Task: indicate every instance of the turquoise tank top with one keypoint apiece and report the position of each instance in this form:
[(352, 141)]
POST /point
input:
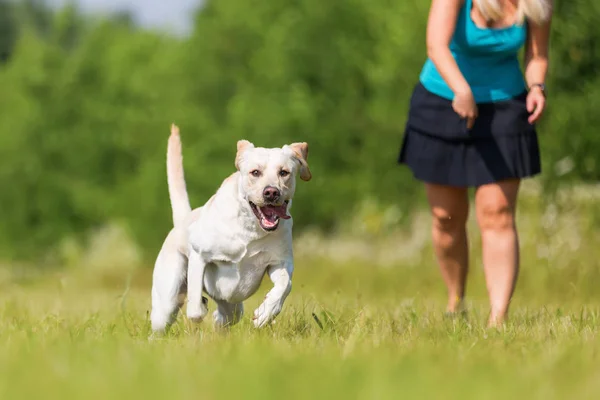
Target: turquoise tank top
[(487, 57)]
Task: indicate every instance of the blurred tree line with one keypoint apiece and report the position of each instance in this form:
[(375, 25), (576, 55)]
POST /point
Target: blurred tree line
[(86, 108)]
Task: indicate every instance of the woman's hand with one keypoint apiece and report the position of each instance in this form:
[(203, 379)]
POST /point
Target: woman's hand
[(536, 102), (441, 25), (465, 106)]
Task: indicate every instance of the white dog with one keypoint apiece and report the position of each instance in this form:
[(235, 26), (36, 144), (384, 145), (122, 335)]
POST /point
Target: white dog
[(225, 247)]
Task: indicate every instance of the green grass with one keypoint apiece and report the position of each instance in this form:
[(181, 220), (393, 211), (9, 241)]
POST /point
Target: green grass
[(82, 332), (379, 336)]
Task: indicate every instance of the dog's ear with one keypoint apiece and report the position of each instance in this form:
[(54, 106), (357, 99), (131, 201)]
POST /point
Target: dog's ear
[(242, 146), (301, 153)]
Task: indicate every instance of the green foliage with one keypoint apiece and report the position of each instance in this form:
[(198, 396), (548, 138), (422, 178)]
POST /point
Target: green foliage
[(568, 139), (7, 30), (87, 105)]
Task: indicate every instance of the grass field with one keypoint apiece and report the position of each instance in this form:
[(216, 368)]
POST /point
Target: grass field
[(351, 328)]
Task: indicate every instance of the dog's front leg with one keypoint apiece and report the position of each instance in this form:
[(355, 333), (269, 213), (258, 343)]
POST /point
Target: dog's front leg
[(281, 276), (196, 307)]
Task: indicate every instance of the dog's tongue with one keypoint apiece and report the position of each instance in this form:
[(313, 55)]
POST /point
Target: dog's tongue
[(272, 211)]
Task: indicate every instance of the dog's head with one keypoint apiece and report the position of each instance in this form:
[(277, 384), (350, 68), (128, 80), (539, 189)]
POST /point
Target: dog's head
[(268, 179)]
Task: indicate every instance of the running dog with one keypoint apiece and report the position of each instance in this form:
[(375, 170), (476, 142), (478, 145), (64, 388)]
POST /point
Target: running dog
[(225, 247)]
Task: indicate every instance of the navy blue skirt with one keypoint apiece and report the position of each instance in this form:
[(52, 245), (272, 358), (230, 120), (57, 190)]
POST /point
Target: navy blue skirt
[(438, 147)]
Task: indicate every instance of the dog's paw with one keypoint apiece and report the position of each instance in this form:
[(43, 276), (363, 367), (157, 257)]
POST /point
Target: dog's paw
[(265, 314), (219, 319), (197, 313)]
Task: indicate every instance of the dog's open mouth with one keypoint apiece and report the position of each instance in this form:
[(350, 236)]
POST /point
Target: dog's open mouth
[(269, 215)]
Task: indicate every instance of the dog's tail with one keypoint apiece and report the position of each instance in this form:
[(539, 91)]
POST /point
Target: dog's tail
[(180, 203)]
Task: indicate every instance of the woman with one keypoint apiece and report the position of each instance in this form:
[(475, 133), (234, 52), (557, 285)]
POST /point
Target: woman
[(472, 124)]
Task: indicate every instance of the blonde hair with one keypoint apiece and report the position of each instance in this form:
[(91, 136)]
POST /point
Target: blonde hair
[(538, 11)]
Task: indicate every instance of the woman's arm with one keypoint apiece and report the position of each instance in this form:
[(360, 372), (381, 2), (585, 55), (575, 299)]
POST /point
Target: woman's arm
[(440, 28), (536, 66), (536, 53)]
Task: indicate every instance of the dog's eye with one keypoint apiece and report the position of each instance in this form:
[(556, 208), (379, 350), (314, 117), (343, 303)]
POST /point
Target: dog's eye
[(255, 173), (283, 173)]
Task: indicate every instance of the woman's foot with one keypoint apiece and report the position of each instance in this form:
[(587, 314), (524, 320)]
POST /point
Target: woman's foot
[(455, 308), (455, 305), (496, 320)]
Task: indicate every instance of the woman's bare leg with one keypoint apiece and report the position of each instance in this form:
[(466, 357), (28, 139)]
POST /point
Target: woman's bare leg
[(495, 207), (450, 209)]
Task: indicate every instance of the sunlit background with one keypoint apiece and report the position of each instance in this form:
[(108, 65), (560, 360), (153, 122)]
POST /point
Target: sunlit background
[(88, 90)]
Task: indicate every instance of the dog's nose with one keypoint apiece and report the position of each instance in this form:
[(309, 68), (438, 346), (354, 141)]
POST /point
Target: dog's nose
[(271, 193)]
